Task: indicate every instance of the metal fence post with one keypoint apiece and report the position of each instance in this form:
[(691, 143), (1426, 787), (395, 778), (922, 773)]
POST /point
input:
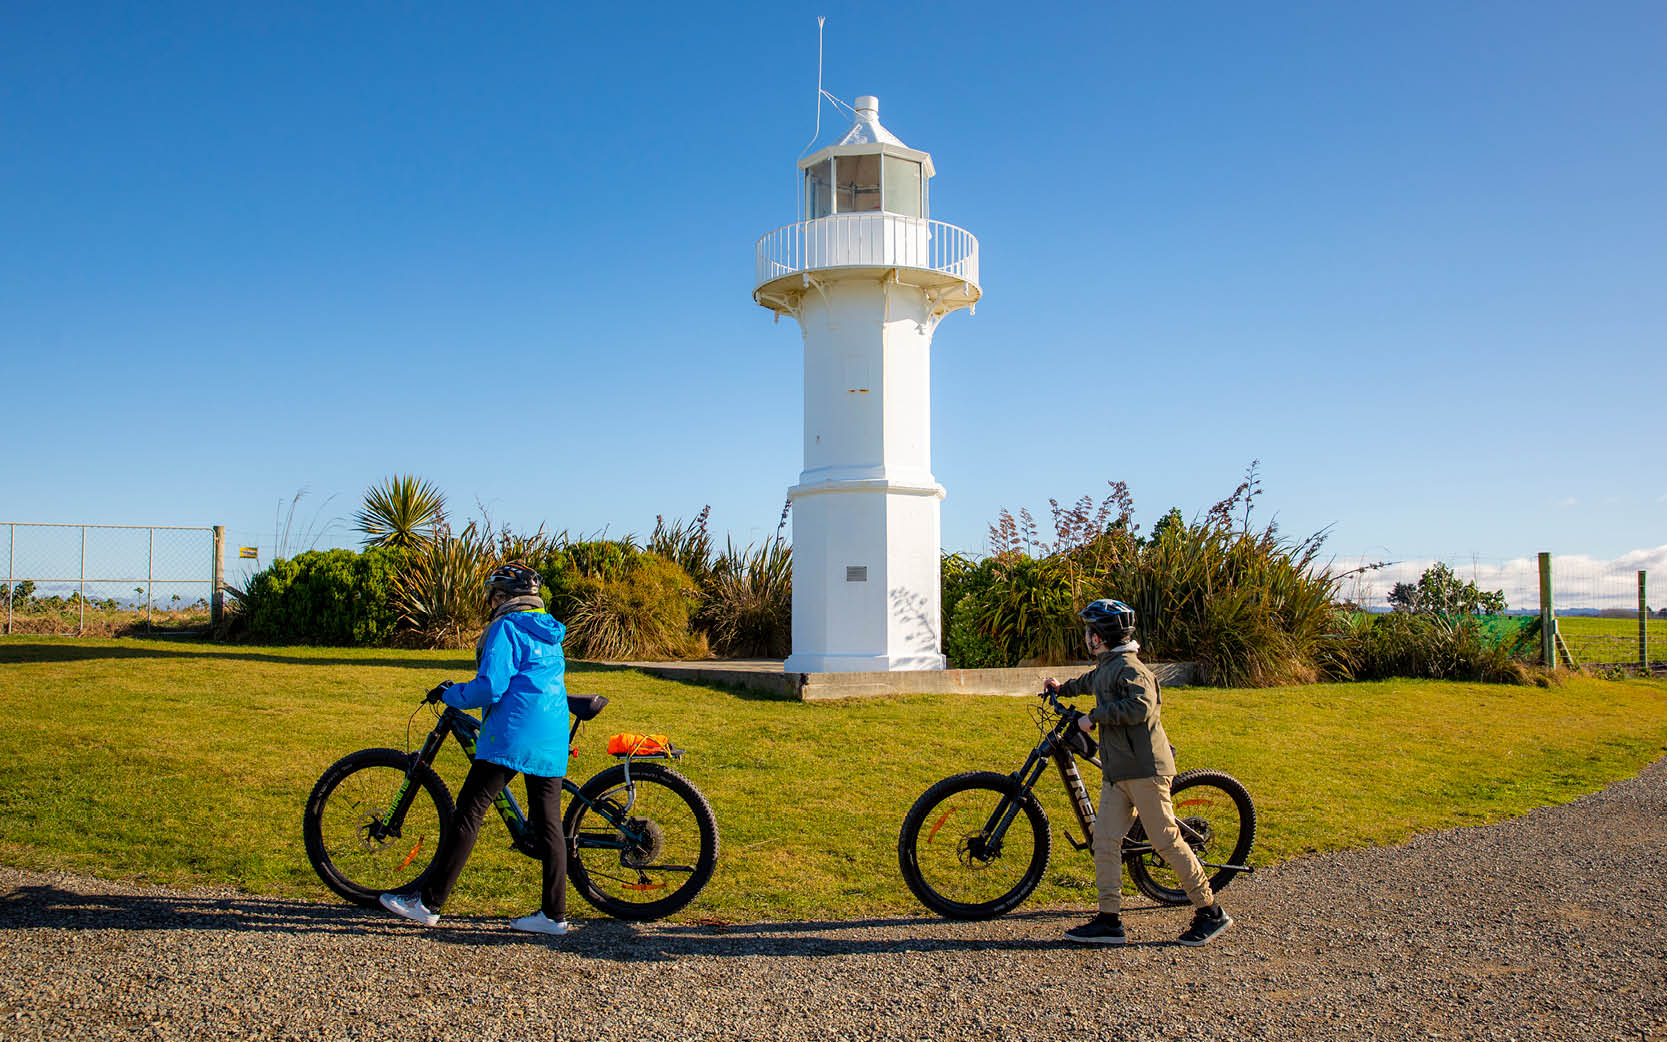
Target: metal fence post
[(1548, 622), (81, 626), (150, 577), (217, 600), (11, 580), (1643, 628)]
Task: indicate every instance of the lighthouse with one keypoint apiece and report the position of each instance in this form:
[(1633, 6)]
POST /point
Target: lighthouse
[(868, 275)]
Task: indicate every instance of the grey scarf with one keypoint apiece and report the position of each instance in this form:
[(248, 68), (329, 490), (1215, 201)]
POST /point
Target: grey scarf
[(525, 602)]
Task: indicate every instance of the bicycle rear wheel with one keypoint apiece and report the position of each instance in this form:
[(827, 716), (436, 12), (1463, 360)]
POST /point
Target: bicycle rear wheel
[(1217, 820), (346, 826), (951, 861), (641, 851)]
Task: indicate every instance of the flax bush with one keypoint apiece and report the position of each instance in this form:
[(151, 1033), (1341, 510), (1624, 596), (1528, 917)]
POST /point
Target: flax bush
[(439, 592), (1250, 606), (747, 604)]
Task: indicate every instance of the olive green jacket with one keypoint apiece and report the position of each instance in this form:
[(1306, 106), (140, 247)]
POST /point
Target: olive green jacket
[(1127, 705)]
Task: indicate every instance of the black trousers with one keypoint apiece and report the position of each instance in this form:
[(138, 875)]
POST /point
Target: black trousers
[(483, 784)]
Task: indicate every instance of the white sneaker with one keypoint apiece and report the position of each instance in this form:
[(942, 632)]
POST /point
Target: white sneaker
[(409, 906), (538, 922)]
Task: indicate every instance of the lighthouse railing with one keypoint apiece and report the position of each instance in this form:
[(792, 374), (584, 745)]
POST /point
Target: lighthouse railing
[(868, 240)]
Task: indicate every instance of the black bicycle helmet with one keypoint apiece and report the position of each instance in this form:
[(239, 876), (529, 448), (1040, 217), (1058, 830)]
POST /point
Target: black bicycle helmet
[(1112, 620), (512, 580)]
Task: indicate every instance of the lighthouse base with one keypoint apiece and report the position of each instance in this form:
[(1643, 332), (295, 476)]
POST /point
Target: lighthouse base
[(811, 662), (865, 576)]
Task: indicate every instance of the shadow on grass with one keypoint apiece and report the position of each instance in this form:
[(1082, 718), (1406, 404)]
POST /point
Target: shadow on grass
[(46, 907), (14, 651)]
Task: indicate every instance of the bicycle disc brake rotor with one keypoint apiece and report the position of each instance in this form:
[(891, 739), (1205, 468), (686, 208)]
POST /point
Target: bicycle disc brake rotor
[(1198, 833), (369, 823), (645, 840), (974, 851)]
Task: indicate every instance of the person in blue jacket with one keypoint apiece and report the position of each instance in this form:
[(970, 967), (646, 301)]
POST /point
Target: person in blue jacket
[(522, 696)]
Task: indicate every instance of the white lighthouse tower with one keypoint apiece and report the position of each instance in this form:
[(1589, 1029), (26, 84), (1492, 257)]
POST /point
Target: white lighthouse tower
[(868, 277)]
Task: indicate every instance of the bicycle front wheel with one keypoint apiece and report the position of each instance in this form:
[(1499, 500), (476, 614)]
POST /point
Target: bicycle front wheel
[(352, 839), (974, 845), (640, 850), (1218, 822)]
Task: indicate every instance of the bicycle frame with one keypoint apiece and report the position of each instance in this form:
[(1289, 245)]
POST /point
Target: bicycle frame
[(454, 723), (1054, 748)]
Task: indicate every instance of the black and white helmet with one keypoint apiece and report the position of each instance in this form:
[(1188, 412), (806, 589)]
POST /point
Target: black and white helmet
[(1112, 620), (513, 580)]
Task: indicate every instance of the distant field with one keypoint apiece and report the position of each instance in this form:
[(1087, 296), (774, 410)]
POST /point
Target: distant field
[(187, 762), (1611, 640)]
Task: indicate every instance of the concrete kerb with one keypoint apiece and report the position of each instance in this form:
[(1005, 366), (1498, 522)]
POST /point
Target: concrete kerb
[(766, 675)]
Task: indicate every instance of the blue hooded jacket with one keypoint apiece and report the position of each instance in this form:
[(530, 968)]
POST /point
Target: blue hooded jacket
[(522, 694)]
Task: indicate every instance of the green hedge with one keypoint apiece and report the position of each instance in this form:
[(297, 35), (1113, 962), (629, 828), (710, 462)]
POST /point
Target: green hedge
[(330, 597)]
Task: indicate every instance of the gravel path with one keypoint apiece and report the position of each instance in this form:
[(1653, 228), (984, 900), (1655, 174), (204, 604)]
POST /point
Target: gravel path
[(1546, 927)]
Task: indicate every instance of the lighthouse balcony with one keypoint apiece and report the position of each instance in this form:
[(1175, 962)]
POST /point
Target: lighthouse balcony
[(932, 255)]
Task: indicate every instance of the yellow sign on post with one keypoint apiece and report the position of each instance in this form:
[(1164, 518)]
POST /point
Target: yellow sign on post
[(248, 552)]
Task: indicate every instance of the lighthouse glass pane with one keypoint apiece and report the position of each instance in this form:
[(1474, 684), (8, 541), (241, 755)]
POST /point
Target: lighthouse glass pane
[(857, 186), (902, 187), (819, 190)]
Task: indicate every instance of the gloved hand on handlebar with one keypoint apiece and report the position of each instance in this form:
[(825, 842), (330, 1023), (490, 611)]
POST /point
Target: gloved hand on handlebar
[(434, 694)]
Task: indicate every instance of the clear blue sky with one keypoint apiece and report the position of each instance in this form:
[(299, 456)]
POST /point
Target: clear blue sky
[(1412, 257)]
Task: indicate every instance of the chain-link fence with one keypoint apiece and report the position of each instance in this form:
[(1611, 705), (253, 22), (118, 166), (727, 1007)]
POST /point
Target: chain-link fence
[(110, 578), (1604, 613)]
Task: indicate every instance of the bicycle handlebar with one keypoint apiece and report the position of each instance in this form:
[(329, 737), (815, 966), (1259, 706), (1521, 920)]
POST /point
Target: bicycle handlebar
[(1052, 698)]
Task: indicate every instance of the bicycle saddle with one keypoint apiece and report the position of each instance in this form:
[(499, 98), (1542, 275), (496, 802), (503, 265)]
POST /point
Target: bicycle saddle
[(585, 707)]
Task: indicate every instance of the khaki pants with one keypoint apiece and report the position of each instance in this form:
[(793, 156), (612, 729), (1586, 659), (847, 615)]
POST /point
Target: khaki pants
[(1149, 797)]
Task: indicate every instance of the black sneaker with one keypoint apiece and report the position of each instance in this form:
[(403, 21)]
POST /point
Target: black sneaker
[(1102, 929), (1207, 924)]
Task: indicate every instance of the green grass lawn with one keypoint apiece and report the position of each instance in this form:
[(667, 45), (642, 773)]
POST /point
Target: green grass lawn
[(1611, 640), (189, 763)]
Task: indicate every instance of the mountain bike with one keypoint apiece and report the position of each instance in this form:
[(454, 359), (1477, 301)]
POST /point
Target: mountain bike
[(641, 839), (976, 844)]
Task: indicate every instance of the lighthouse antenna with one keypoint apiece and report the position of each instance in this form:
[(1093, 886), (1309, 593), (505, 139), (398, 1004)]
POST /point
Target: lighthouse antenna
[(820, 21), (798, 188)]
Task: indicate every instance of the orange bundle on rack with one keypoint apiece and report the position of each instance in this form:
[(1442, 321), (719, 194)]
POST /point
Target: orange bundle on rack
[(638, 744)]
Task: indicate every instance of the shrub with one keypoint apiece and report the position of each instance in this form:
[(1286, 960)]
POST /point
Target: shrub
[(331, 597), (640, 613), (1250, 606), (1437, 647), (964, 645), (747, 608), (438, 594)]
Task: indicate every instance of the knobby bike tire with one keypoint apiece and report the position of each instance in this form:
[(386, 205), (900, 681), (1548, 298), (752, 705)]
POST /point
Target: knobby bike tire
[(591, 870), (1140, 869), (925, 814), (355, 867)]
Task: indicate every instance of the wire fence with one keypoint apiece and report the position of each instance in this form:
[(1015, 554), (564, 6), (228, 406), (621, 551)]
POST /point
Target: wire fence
[(1607, 612), (109, 578)]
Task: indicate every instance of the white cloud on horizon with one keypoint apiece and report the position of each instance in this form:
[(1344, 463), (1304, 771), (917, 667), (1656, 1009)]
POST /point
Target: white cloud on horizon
[(1577, 580)]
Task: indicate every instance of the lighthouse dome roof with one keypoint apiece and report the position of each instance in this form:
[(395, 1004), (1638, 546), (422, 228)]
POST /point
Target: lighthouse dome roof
[(867, 129)]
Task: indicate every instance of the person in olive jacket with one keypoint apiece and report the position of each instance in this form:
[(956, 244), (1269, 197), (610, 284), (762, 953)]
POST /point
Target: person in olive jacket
[(1139, 766)]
